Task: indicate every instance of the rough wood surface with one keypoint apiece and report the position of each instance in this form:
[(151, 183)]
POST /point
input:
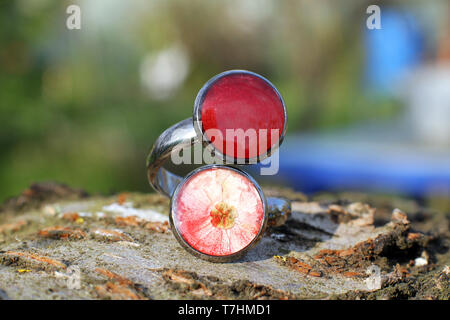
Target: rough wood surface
[(123, 249)]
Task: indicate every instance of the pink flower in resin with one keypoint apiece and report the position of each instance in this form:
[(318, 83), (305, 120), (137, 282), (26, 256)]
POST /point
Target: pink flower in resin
[(218, 211)]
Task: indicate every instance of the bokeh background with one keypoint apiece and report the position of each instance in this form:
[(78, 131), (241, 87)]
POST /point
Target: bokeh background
[(369, 110)]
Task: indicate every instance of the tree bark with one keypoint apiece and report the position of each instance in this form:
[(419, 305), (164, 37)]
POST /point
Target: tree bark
[(59, 243)]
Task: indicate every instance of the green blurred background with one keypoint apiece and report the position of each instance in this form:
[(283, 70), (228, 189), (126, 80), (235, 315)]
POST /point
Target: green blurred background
[(84, 106)]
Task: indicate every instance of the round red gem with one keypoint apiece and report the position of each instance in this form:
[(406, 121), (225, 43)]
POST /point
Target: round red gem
[(218, 211), (242, 101)]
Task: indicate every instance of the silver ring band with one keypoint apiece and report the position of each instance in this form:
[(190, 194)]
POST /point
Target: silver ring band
[(180, 135)]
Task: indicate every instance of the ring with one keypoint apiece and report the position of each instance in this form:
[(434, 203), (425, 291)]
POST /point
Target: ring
[(218, 212)]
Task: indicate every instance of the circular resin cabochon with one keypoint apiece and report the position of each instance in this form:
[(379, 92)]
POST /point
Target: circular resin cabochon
[(242, 100), (218, 211)]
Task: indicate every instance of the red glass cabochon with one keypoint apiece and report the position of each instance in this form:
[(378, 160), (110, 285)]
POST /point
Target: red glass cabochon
[(218, 211), (242, 101)]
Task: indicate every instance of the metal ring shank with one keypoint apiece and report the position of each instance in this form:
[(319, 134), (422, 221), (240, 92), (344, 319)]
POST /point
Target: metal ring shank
[(178, 136), (183, 135)]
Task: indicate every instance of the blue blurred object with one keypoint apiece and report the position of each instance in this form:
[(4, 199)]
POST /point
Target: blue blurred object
[(363, 159), (392, 50)]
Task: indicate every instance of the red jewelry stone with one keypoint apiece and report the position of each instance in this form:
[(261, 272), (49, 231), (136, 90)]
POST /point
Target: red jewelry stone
[(218, 211), (242, 101)]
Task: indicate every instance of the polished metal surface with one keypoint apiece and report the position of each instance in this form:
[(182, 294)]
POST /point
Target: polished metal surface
[(178, 136)]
